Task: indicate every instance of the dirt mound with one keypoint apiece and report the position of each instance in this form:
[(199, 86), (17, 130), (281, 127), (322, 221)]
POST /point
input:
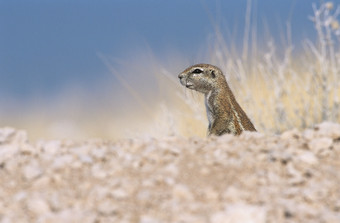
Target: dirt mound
[(293, 177)]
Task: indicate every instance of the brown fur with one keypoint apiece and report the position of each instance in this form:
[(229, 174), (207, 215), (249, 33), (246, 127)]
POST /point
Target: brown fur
[(225, 115)]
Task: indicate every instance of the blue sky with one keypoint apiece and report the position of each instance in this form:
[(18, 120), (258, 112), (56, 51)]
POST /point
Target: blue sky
[(47, 44)]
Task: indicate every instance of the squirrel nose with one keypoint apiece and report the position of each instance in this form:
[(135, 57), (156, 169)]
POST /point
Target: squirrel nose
[(181, 75)]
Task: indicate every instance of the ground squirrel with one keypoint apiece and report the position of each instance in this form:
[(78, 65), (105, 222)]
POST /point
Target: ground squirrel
[(225, 115)]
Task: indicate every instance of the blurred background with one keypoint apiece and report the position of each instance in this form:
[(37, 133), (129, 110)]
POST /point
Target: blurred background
[(108, 69)]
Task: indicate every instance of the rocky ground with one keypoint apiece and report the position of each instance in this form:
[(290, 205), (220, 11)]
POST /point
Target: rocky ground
[(293, 177)]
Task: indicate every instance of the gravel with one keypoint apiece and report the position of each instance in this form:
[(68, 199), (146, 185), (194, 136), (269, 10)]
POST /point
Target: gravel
[(292, 177)]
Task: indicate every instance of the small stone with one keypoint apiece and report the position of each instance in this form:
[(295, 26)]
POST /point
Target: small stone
[(210, 194), (98, 172), (236, 213), (233, 194), (11, 136), (171, 169), (51, 147), (205, 171), (38, 206), (295, 176), (7, 153), (28, 149), (308, 134), (6, 134), (119, 193), (32, 171), (42, 182), (148, 219), (77, 164), (247, 135), (169, 180), (182, 192), (70, 215), (86, 159), (98, 153), (20, 137), (308, 158), (291, 134), (62, 161), (328, 129), (107, 207), (319, 144), (144, 195), (20, 196), (188, 218)]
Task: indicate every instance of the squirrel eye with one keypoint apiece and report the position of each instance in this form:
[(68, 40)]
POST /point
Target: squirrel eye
[(197, 71)]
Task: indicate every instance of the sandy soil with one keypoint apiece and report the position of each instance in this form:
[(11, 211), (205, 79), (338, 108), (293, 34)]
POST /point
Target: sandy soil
[(293, 177)]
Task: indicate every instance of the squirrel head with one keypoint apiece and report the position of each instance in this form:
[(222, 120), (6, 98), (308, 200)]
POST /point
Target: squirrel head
[(202, 77)]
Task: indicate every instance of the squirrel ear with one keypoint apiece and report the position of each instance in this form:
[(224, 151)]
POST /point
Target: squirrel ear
[(213, 74)]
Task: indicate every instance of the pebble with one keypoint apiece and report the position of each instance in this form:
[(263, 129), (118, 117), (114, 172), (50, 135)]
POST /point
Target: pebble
[(182, 193), (107, 207), (235, 213), (62, 161), (51, 147), (291, 134), (98, 172), (329, 129), (38, 206), (99, 153), (148, 219), (6, 134), (308, 158), (319, 144), (32, 170), (119, 193)]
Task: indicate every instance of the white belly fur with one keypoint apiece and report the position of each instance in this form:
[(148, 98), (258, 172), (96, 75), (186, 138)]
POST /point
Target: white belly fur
[(208, 110)]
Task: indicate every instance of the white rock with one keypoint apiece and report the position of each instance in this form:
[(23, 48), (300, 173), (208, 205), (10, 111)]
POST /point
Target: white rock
[(20, 137), (236, 213), (76, 164), (210, 194), (68, 216), (169, 180), (100, 192), (28, 149), (51, 147), (62, 161), (291, 134), (294, 174), (182, 192), (10, 136), (144, 195), (32, 170), (8, 152), (98, 172), (329, 129), (233, 194), (42, 182), (171, 169), (119, 193), (21, 195), (107, 207), (308, 158), (148, 219), (189, 218), (38, 206), (86, 159), (98, 153), (308, 134), (5, 134), (319, 144), (251, 135)]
